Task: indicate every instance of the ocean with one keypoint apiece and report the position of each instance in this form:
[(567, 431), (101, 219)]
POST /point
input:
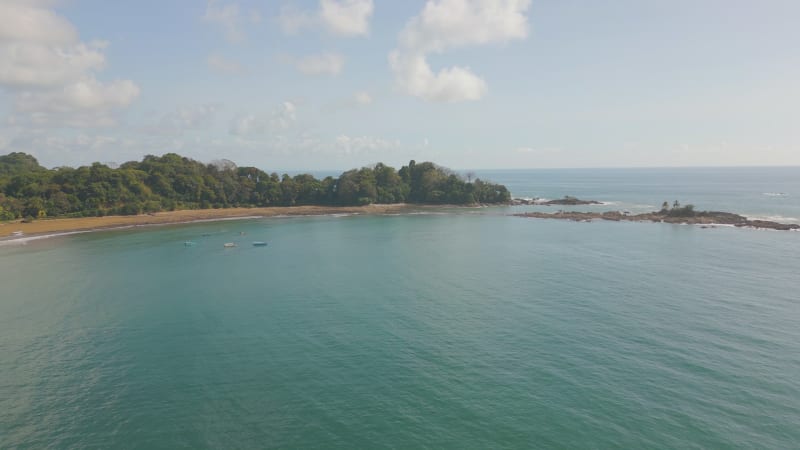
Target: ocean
[(453, 328)]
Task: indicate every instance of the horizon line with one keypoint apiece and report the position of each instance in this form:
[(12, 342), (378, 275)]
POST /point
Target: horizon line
[(771, 166)]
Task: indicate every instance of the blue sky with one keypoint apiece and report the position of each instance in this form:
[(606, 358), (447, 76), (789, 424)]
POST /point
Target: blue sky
[(334, 84)]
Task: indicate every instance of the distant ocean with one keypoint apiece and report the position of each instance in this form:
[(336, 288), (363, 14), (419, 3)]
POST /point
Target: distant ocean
[(460, 328), (770, 193)]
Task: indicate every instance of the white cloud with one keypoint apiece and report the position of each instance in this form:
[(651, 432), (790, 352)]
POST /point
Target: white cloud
[(222, 65), (446, 24), (86, 94), (322, 64), (415, 76), (347, 17), (51, 73), (230, 19), (339, 17), (30, 22), (252, 124), (30, 64), (362, 98), (38, 48)]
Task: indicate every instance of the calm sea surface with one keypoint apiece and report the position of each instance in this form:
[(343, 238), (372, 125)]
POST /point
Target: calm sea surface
[(465, 329)]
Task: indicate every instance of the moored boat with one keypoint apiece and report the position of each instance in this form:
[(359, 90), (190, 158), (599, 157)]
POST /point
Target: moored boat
[(229, 245)]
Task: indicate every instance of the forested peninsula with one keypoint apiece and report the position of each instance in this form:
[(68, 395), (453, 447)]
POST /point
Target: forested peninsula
[(172, 182)]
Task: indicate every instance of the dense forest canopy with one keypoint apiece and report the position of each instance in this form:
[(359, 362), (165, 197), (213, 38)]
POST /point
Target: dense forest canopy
[(171, 182)]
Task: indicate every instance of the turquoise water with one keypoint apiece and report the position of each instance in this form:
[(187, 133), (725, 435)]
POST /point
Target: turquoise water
[(463, 330)]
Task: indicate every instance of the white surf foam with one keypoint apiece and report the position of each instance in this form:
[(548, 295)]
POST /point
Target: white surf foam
[(22, 240)]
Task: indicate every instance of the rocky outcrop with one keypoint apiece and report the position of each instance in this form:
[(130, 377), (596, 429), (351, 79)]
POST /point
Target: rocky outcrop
[(571, 201), (772, 225), (705, 218), (568, 200)]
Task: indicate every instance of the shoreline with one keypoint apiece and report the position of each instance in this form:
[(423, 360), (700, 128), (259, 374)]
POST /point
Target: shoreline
[(63, 226), (44, 228)]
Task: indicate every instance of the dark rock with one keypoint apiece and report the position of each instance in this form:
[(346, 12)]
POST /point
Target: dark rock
[(571, 201)]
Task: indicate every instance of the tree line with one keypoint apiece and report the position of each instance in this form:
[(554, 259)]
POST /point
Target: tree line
[(677, 210), (171, 182)]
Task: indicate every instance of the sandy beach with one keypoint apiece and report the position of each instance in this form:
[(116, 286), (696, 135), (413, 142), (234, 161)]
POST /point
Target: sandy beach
[(46, 226)]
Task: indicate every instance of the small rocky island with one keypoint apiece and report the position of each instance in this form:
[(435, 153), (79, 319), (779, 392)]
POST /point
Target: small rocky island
[(675, 215), (567, 200)]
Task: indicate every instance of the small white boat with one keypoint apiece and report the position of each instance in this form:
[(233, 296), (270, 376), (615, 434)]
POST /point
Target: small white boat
[(189, 244), (17, 233), (229, 245)]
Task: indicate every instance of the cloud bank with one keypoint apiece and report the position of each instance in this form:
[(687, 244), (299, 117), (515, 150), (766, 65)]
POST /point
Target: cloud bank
[(52, 74)]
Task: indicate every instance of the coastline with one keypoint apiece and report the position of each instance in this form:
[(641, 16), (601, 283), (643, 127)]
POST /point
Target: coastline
[(86, 224), (43, 228)]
